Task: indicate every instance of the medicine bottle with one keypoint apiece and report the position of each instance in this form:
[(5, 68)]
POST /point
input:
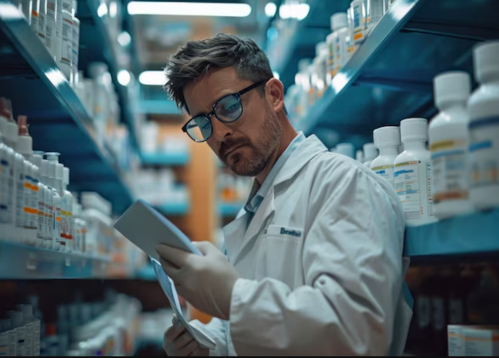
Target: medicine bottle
[(412, 176), (449, 141), (387, 140), (370, 153)]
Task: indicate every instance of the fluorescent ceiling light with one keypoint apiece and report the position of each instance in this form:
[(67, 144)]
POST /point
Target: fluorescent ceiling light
[(113, 9), (295, 11), (124, 77), (188, 9), (152, 78), (102, 10), (124, 39), (270, 9)]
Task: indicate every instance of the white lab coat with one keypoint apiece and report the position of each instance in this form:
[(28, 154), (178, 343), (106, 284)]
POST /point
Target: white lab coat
[(320, 264)]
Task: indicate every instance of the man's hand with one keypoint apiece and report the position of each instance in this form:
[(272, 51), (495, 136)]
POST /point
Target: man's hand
[(205, 281), (179, 342)]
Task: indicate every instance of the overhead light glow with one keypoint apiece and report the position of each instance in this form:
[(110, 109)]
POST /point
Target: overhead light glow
[(124, 38), (152, 78), (270, 9), (113, 9), (124, 77), (102, 10), (276, 74), (295, 11), (188, 9)]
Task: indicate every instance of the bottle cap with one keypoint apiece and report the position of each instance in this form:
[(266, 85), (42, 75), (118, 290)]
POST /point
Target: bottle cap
[(414, 129), (303, 64), (345, 149), (16, 317), (52, 156), (320, 47), (4, 324), (59, 171), (37, 161), (359, 156), (451, 87), (24, 142), (339, 20), (370, 151), (387, 137), (486, 59)]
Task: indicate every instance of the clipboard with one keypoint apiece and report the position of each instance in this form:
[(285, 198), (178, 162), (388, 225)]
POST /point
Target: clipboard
[(146, 228)]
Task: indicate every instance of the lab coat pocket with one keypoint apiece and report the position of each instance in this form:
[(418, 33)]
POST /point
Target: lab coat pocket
[(283, 246)]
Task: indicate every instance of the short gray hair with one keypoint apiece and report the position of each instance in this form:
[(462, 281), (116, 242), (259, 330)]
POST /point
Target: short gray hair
[(193, 61)]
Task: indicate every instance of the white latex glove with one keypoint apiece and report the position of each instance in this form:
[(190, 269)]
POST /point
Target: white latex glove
[(204, 281), (179, 342)]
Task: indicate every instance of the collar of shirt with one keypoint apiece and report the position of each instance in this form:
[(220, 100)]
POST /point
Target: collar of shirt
[(255, 200)]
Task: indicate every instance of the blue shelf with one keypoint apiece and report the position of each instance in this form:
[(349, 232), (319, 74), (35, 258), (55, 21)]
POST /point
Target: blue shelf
[(27, 262), (154, 106), (470, 234), (229, 209), (165, 158), (174, 209), (390, 77), (58, 120)]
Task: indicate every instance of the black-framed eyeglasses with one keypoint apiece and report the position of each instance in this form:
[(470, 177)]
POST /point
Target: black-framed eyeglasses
[(227, 109)]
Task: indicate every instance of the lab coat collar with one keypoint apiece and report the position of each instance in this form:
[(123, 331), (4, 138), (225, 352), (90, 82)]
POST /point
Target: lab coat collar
[(307, 150), (235, 234)]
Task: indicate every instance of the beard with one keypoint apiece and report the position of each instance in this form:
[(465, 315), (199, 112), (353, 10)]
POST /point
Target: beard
[(268, 140)]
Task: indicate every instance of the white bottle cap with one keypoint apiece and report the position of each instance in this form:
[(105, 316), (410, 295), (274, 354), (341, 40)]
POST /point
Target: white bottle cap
[(370, 151), (451, 87), (320, 47), (52, 157), (45, 167), (486, 60), (12, 132), (387, 137), (66, 175), (25, 144), (339, 20), (4, 324), (16, 317), (303, 64), (359, 156), (95, 69), (59, 171), (414, 129), (26, 310), (52, 170), (345, 149)]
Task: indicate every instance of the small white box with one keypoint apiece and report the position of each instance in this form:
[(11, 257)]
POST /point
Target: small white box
[(455, 340), (481, 341)]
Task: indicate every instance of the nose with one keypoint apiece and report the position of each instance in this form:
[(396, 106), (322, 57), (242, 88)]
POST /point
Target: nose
[(220, 129)]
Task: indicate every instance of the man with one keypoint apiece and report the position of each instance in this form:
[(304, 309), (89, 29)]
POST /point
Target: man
[(313, 264)]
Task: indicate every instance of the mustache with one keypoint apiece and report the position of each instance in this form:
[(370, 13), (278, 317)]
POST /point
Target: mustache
[(229, 144)]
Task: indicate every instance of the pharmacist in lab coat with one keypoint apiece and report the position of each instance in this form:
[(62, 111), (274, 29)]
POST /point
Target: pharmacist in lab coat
[(313, 263)]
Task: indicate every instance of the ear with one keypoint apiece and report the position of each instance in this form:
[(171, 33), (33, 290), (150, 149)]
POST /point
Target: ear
[(274, 91)]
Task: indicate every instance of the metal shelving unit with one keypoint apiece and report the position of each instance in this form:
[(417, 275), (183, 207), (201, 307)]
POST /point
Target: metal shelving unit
[(390, 77), (463, 235), (27, 262), (173, 159), (58, 120)]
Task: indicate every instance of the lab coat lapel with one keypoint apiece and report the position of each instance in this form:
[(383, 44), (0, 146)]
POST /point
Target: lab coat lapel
[(235, 234)]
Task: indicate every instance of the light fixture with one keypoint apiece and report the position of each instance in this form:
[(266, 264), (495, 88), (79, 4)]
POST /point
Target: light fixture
[(124, 77), (294, 10), (113, 9), (124, 39), (270, 9), (152, 78), (276, 74), (188, 9), (102, 10)]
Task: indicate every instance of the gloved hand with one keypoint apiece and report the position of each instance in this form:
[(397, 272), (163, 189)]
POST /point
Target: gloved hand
[(204, 281), (179, 342)]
